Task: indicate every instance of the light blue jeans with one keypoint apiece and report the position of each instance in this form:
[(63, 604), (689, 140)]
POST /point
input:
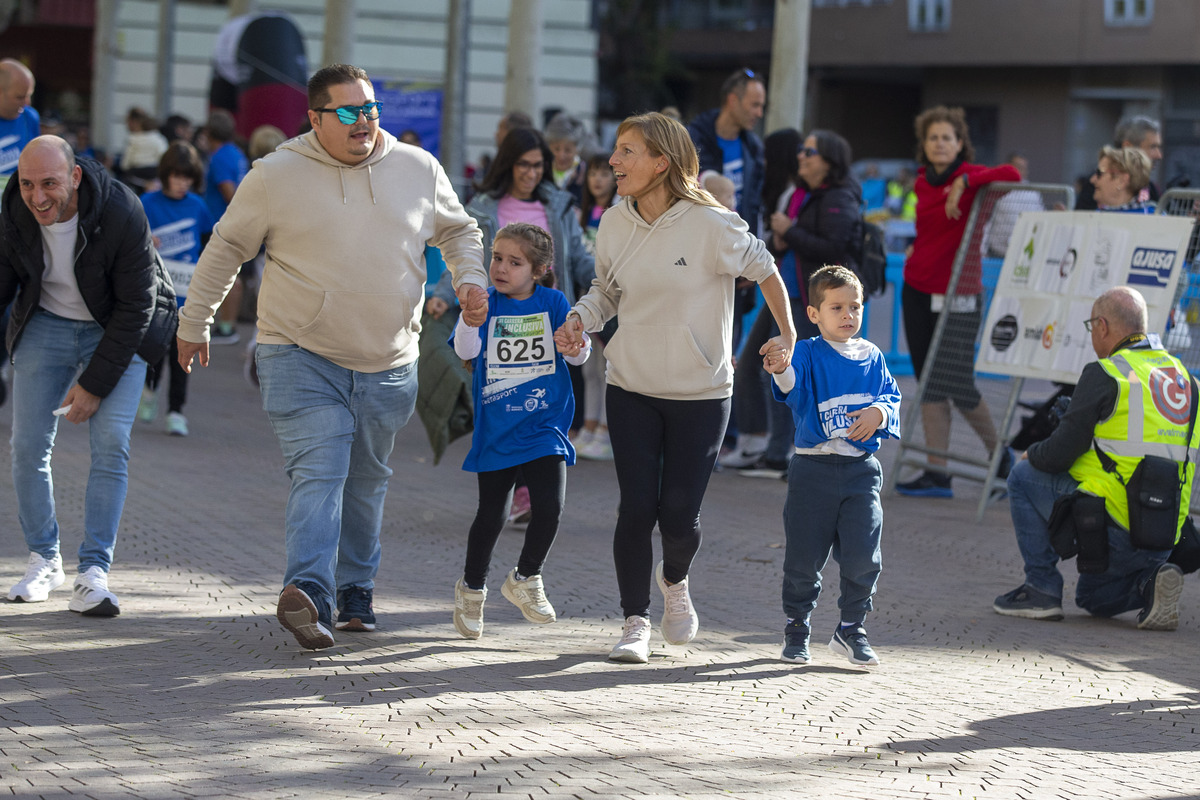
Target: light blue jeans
[(337, 428), (1031, 496), (48, 360)]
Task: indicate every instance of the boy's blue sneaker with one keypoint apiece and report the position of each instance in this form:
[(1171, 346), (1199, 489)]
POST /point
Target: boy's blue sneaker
[(355, 610), (1026, 601), (927, 484), (795, 643), (852, 643)]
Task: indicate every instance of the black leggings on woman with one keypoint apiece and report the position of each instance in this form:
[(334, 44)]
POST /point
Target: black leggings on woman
[(547, 480), (664, 452)]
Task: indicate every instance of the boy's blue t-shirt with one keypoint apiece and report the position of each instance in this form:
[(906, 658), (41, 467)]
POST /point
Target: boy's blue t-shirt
[(520, 418), (228, 163), (178, 224), (14, 135), (829, 385)]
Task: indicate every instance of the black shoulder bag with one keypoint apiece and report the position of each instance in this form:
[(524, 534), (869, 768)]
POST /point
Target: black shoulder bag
[(1154, 491)]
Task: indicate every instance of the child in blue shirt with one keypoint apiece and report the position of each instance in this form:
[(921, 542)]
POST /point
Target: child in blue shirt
[(843, 400), (180, 224), (523, 411)]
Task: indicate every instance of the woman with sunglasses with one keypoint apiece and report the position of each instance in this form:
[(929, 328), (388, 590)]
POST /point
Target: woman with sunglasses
[(1119, 178), (946, 187)]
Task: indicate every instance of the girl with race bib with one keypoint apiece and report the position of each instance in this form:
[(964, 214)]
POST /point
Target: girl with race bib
[(523, 411)]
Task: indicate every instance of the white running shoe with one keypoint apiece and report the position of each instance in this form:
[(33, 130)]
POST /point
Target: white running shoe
[(598, 448), (634, 647), (679, 621), (528, 595), (177, 424), (42, 576), (91, 596), (468, 610)]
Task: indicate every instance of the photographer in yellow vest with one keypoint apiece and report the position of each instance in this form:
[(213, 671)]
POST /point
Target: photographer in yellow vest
[(1135, 401)]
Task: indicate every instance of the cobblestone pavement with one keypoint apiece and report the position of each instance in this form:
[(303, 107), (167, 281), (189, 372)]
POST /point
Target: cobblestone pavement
[(195, 690)]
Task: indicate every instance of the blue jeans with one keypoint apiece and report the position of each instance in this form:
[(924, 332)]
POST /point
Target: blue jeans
[(337, 428), (48, 360), (833, 508), (1031, 496)]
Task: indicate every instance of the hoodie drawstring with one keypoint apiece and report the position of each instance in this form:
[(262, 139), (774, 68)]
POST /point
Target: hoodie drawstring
[(371, 184), (342, 177)]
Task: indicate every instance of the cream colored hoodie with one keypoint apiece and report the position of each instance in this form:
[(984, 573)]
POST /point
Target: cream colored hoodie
[(672, 285), (345, 268)]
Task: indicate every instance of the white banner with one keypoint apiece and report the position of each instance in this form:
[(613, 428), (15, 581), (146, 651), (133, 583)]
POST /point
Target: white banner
[(1057, 264)]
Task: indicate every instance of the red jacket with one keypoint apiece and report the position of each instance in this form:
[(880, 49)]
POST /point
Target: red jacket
[(928, 268)]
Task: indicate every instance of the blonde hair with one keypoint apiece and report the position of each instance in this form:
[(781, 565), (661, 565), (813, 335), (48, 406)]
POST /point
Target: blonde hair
[(1133, 162), (668, 138)]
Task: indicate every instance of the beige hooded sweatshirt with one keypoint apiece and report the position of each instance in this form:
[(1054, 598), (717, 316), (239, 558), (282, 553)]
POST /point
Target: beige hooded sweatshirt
[(671, 285), (345, 270)]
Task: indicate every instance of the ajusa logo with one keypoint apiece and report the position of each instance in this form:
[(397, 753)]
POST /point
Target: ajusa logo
[(1172, 393)]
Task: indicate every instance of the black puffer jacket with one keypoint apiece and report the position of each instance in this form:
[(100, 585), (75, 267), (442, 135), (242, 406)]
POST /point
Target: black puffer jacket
[(119, 273), (828, 230)]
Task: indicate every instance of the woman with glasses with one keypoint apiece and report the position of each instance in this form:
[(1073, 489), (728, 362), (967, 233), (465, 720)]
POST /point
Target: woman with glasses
[(946, 187), (1120, 177)]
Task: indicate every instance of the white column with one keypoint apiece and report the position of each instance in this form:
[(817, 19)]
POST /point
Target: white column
[(164, 83), (789, 65), (521, 78), (454, 93), (339, 32), (104, 45)]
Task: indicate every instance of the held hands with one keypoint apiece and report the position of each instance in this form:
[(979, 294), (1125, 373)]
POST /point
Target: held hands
[(866, 422), (474, 302), (957, 187), (777, 354), (568, 339)]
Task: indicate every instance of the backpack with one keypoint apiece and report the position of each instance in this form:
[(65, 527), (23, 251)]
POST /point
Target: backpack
[(872, 260)]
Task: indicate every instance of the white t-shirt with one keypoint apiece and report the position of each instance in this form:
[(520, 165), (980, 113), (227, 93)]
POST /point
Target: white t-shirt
[(60, 292)]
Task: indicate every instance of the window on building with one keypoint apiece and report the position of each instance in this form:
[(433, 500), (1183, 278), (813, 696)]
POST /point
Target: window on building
[(1128, 12), (926, 16)]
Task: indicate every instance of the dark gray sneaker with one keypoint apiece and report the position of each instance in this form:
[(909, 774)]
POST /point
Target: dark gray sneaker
[(1162, 600), (355, 610), (299, 613), (795, 643), (852, 643), (1026, 601)]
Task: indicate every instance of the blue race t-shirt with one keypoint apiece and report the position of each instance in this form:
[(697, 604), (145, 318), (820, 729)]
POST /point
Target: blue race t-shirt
[(524, 407), (14, 135), (733, 165), (178, 224), (227, 164)]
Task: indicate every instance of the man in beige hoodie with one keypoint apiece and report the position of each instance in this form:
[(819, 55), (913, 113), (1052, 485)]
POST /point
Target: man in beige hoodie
[(345, 212)]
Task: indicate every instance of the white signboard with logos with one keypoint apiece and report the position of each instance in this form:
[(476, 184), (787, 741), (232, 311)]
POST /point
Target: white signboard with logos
[(1057, 264)]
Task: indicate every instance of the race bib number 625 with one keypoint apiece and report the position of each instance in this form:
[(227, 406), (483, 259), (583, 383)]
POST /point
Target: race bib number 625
[(520, 346)]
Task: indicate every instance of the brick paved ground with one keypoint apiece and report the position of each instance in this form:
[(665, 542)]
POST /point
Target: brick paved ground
[(195, 691)]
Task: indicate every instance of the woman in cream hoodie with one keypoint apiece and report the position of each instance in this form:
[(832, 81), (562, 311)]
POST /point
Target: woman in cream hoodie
[(666, 261)]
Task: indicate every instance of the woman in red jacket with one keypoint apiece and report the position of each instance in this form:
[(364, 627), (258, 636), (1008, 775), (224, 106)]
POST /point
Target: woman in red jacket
[(946, 187)]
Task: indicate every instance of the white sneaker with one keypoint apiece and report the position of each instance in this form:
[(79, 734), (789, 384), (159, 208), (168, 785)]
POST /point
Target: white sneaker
[(598, 448), (634, 647), (42, 576), (177, 424), (148, 405), (738, 458), (468, 610), (529, 595), (91, 596), (679, 621)]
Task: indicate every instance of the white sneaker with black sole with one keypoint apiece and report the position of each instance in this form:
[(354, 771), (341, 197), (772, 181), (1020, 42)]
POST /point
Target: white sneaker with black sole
[(42, 576), (91, 596)]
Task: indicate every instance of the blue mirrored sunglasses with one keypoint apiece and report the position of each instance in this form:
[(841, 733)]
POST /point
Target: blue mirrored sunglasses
[(348, 115)]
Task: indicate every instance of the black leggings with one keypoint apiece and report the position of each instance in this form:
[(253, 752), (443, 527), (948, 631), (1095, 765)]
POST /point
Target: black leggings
[(177, 390), (664, 452), (547, 479)]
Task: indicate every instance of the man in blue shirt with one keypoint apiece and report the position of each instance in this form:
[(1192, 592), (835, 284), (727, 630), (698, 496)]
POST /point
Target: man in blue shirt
[(19, 123), (726, 142), (227, 165)]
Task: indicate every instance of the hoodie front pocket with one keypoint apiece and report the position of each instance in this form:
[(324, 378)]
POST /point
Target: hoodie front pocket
[(659, 360), (358, 327)]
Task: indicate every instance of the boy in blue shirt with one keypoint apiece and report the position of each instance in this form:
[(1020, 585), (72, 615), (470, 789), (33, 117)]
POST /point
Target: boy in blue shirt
[(843, 401)]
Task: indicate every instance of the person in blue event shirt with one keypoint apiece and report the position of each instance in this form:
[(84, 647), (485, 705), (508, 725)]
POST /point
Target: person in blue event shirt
[(227, 166), (19, 122), (180, 224)]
